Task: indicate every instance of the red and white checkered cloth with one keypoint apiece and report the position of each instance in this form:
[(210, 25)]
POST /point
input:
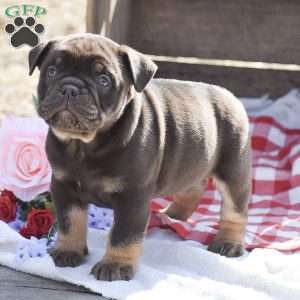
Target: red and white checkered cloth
[(274, 209)]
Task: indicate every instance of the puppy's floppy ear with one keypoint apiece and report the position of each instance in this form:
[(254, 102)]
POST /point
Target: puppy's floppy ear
[(37, 54), (141, 68)]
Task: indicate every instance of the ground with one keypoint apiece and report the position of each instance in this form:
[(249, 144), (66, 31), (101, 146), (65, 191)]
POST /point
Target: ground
[(15, 285)]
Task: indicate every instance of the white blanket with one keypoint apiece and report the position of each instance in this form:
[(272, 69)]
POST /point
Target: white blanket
[(175, 269)]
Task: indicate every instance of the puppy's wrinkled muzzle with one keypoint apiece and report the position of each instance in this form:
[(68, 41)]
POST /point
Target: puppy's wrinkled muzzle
[(70, 106)]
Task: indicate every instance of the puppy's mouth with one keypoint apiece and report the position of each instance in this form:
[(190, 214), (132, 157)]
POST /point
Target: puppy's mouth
[(66, 121)]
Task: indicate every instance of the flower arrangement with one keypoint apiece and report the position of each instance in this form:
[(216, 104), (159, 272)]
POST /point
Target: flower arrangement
[(34, 218), (25, 175)]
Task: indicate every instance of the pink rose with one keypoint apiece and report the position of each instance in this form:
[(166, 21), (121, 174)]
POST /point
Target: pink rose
[(24, 168)]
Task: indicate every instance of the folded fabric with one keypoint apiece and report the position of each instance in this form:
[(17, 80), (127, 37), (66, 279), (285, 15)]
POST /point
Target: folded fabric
[(173, 269)]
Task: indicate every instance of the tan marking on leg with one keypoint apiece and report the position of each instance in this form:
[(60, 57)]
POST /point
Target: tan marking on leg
[(232, 223), (231, 231), (127, 254), (185, 203), (75, 238)]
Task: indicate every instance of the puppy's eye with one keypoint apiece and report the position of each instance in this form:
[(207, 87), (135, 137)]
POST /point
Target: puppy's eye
[(51, 71), (104, 80)]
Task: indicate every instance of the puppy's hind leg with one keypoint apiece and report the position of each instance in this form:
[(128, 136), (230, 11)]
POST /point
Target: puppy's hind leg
[(234, 183), (186, 202)]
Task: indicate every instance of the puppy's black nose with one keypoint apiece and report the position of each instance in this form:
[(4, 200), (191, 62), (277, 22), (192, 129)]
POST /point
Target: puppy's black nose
[(69, 90)]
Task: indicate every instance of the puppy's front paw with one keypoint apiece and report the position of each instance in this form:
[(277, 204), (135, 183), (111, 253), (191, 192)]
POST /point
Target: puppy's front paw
[(65, 258), (112, 271), (226, 248)]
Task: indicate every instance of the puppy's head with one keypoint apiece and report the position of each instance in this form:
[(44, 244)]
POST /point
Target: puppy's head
[(85, 83)]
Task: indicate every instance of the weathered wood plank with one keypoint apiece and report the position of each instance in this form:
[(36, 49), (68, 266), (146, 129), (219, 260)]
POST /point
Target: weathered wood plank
[(256, 30), (241, 81), (16, 285), (25, 293)]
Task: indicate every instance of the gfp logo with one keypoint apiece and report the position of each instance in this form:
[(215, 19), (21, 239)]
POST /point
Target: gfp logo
[(24, 30)]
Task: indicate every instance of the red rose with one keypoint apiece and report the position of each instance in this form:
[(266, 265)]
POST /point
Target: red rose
[(9, 194), (8, 206), (27, 232), (39, 222)]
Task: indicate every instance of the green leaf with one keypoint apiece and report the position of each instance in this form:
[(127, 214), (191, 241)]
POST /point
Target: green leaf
[(24, 213)]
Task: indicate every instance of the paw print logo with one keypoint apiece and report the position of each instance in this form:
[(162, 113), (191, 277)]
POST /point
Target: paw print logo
[(24, 32)]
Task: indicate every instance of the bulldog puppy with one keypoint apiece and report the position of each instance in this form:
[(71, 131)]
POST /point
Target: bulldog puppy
[(118, 138)]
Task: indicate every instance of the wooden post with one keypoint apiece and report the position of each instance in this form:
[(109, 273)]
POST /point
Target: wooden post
[(109, 18)]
